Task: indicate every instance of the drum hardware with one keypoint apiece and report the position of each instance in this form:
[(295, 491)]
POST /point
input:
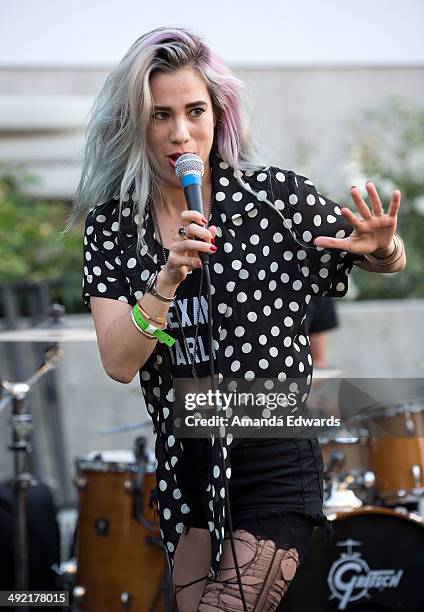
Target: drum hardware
[(22, 427), (416, 475)]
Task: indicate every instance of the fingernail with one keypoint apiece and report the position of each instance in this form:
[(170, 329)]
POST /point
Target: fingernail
[(353, 187), (214, 248), (213, 240), (204, 220)]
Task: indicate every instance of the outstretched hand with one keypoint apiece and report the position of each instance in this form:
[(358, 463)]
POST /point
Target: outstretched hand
[(373, 231)]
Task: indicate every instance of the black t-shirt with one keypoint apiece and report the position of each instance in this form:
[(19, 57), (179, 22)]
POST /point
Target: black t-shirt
[(188, 309)]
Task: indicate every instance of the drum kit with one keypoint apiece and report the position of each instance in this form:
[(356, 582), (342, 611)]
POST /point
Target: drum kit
[(118, 562), (373, 496), (374, 487)]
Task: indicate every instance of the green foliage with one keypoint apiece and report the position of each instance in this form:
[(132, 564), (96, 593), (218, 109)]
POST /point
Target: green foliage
[(31, 245), (388, 149)]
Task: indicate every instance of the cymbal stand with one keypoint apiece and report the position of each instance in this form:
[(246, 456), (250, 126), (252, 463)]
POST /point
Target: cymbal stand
[(16, 394)]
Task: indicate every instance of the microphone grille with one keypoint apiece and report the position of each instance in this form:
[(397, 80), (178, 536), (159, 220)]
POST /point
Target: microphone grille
[(188, 163)]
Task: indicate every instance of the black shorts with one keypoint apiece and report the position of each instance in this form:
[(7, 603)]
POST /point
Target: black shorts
[(275, 489)]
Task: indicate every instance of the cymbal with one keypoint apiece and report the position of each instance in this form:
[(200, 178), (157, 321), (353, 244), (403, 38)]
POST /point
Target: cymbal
[(65, 334)]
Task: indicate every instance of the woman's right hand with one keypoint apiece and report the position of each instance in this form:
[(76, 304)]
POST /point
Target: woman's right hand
[(183, 253)]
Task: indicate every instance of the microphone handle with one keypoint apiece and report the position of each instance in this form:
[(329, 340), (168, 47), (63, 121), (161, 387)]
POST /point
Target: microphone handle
[(194, 199)]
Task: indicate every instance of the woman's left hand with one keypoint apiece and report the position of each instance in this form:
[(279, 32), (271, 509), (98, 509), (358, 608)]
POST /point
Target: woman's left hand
[(374, 231)]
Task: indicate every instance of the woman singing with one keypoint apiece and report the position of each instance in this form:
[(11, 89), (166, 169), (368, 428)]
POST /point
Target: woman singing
[(274, 242)]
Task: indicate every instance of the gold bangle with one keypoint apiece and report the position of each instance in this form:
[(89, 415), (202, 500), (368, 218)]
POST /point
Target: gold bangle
[(145, 314)]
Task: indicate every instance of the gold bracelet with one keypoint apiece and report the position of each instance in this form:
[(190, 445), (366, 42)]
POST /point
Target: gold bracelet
[(145, 314)]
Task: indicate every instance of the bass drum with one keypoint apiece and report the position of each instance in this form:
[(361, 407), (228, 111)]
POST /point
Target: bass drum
[(120, 562), (375, 564)]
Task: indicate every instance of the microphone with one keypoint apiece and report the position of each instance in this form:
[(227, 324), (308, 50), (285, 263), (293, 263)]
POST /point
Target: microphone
[(190, 168)]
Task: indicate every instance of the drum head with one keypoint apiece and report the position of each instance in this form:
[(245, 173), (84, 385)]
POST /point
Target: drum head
[(376, 563)]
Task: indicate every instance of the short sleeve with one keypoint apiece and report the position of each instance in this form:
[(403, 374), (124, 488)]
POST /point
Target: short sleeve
[(103, 276), (308, 215)]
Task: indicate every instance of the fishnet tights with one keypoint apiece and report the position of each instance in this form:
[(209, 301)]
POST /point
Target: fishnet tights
[(266, 572)]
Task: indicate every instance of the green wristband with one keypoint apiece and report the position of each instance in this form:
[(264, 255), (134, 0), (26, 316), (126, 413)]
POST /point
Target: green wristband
[(162, 336)]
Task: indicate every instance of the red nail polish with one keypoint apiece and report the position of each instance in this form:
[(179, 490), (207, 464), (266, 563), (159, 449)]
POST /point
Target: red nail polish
[(213, 240), (214, 248)]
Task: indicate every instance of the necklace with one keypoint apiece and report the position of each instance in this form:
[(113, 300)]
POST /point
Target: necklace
[(191, 355)]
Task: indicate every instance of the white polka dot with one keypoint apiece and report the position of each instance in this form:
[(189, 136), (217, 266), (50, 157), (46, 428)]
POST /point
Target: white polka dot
[(275, 330), (317, 220), (239, 331), (310, 200), (246, 347), (261, 195), (126, 212), (97, 271), (277, 237), (293, 199), (341, 234), (108, 245), (229, 351), (171, 441), (267, 310), (185, 509), (224, 181), (218, 268), (228, 247), (132, 262), (307, 236), (280, 177), (162, 485), (251, 258), (288, 361), (273, 351), (252, 316), (220, 196), (272, 285), (241, 297), (254, 239), (323, 272), (279, 204), (294, 306), (167, 513), (216, 471), (101, 218), (288, 255), (179, 527), (278, 303), (261, 177), (236, 264), (288, 321), (101, 287), (331, 219), (235, 366), (340, 286), (264, 223), (223, 165), (297, 218), (265, 250), (263, 339), (237, 196), (263, 363)]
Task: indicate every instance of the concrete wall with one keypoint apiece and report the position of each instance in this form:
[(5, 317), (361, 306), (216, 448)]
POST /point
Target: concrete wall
[(44, 109), (381, 339)]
